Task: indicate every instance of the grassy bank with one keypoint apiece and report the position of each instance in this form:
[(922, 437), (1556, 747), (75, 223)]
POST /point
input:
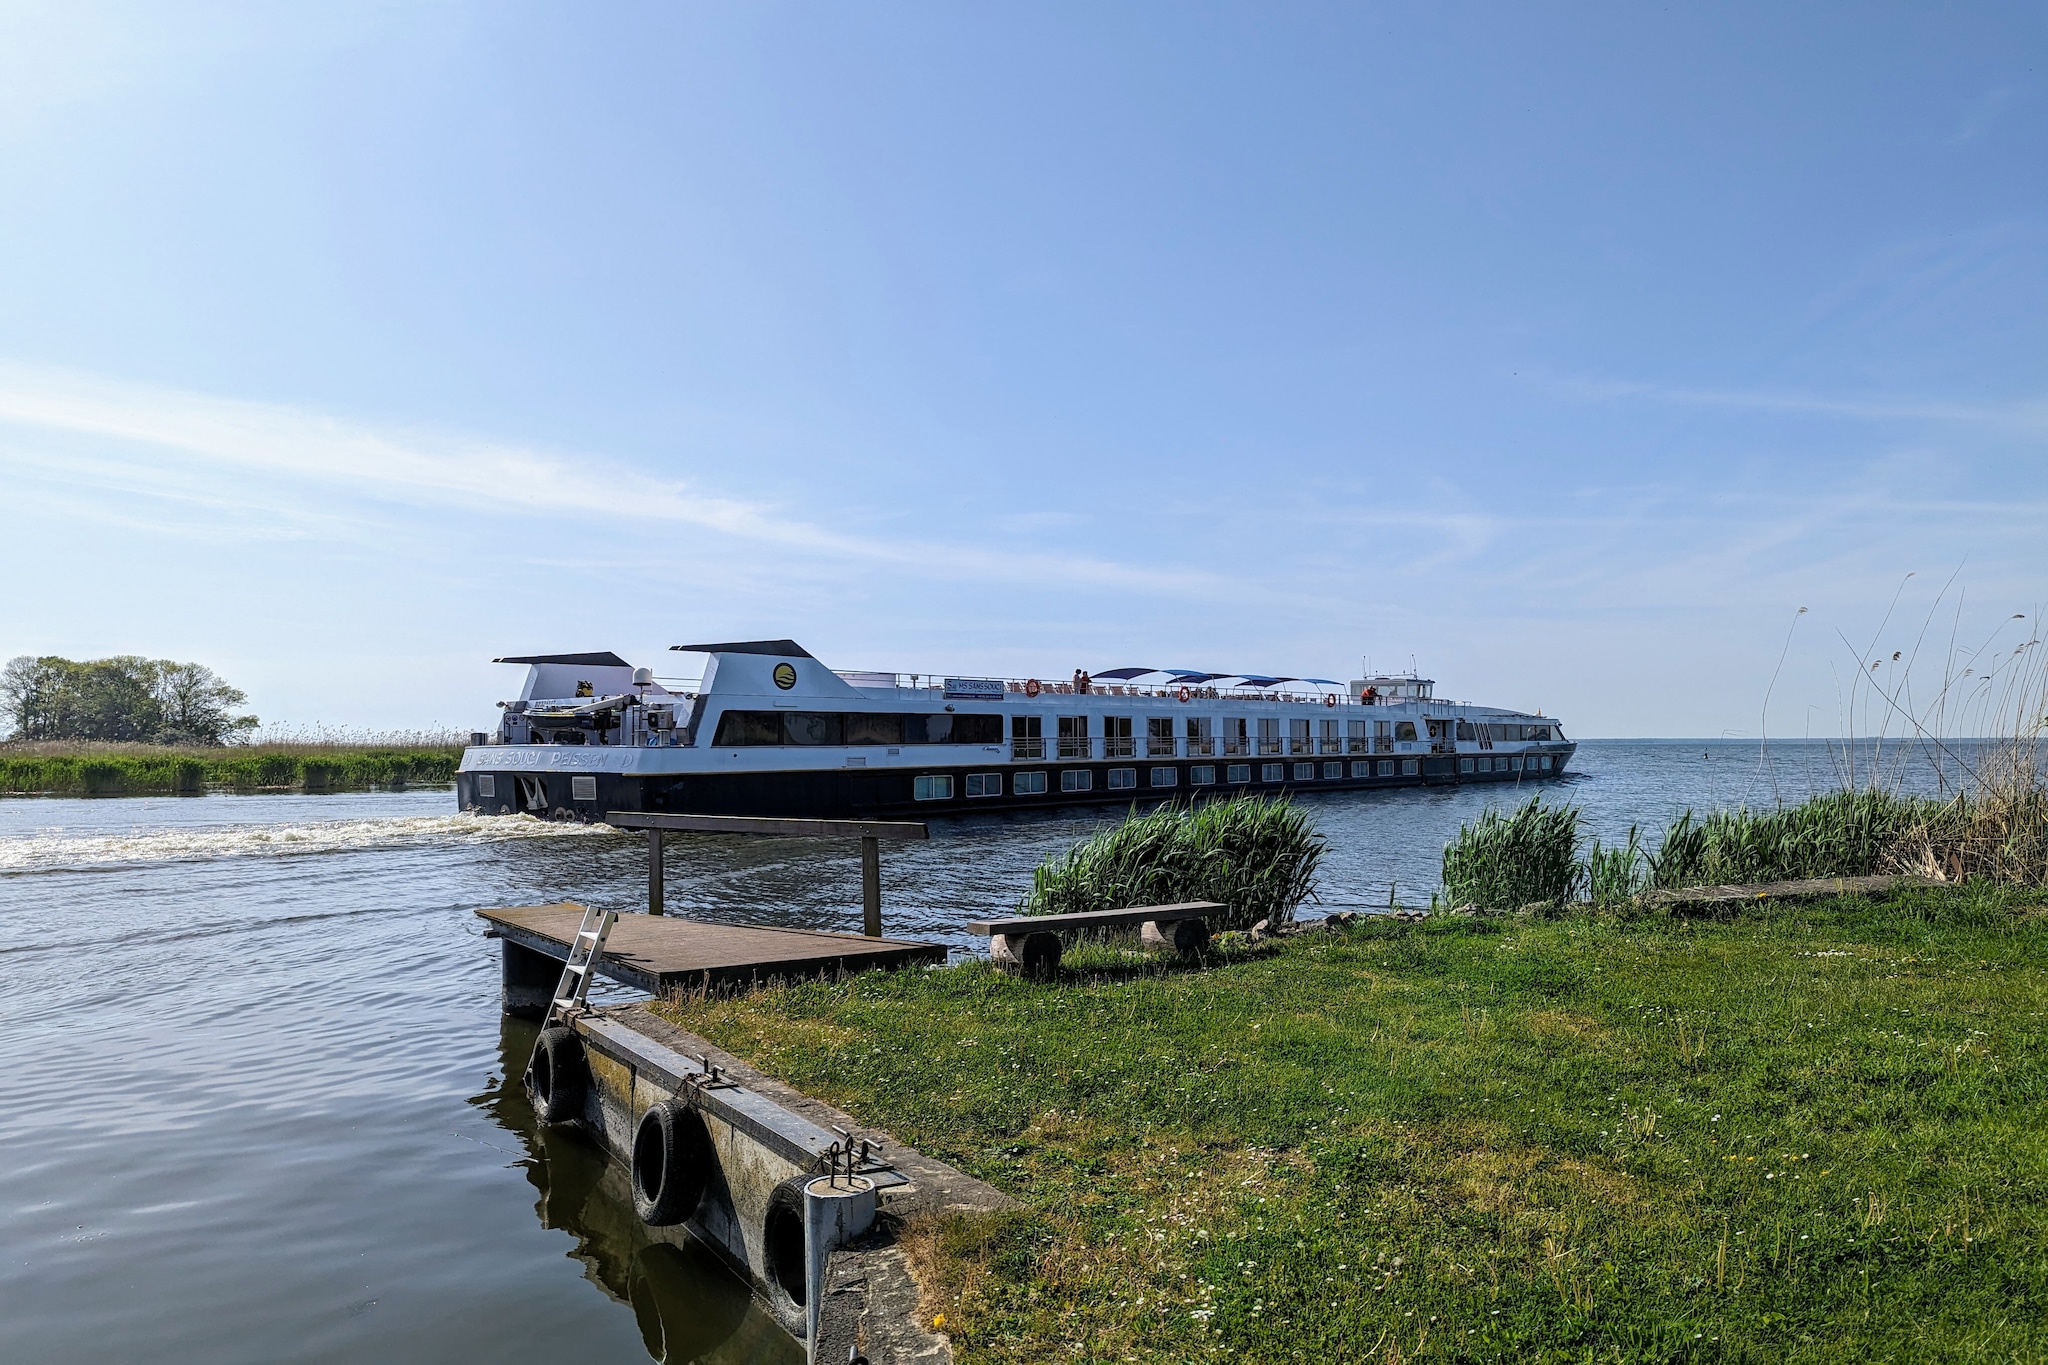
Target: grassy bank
[(145, 769), (1538, 855), (1807, 1134)]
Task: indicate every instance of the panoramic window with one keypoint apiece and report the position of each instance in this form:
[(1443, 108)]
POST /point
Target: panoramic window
[(742, 729), (984, 784), (1028, 784), (1202, 775), (1238, 772), (874, 728), (932, 788), (1165, 777), (1077, 780), (810, 727)]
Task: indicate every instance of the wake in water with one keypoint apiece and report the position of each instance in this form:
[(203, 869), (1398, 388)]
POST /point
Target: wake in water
[(57, 851)]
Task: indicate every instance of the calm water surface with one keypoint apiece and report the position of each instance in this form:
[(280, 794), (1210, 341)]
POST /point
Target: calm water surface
[(257, 1108)]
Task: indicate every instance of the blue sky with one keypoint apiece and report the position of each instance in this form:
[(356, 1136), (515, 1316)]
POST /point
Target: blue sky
[(1567, 350)]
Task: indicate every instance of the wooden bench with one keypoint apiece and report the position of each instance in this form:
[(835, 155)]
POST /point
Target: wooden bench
[(1031, 943)]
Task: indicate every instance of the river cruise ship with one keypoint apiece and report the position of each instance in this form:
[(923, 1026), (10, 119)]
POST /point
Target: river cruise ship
[(769, 730)]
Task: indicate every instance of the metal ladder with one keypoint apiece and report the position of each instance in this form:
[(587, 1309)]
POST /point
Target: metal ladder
[(584, 951)]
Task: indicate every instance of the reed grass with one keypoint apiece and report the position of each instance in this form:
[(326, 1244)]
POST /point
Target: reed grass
[(1509, 862), (85, 769), (1257, 855)]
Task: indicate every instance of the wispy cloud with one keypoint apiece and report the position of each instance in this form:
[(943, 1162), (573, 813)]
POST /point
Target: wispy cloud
[(437, 470), (2030, 417)]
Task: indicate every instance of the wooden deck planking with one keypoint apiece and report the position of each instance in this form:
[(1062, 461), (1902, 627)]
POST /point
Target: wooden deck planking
[(655, 954)]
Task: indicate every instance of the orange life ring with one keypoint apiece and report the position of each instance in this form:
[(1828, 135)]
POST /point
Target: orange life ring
[(1032, 687), (1329, 699), (1184, 694)]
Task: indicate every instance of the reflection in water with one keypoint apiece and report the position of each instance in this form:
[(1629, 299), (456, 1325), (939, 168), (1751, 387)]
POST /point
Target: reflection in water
[(690, 1305)]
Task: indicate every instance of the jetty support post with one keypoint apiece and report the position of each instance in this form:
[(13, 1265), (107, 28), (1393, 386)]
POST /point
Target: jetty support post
[(528, 980), (869, 832), (871, 886), (654, 871)]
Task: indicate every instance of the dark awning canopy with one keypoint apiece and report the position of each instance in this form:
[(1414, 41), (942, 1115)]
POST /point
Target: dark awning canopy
[(787, 648), (602, 659), (1123, 672)]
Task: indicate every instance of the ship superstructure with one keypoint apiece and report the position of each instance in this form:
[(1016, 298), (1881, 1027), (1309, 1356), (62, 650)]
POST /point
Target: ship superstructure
[(770, 730)]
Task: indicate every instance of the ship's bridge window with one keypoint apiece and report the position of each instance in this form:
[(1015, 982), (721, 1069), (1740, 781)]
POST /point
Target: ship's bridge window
[(1404, 731), (1465, 730), (753, 729)]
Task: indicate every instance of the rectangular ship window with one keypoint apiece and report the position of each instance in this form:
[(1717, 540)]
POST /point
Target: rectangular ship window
[(1333, 770), (1238, 772), (486, 785), (1202, 775), (984, 784), (1304, 772), (1272, 772), (1515, 764), (1362, 769), (933, 788), (1410, 766), (1543, 762), (1386, 767), (1464, 765), (583, 789), (1028, 784), (1027, 737), (1120, 778), (1077, 780), (1165, 777)]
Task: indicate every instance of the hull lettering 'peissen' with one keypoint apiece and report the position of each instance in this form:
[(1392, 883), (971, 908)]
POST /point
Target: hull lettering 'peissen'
[(768, 730)]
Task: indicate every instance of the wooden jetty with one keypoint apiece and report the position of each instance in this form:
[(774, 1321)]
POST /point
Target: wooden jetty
[(661, 953)]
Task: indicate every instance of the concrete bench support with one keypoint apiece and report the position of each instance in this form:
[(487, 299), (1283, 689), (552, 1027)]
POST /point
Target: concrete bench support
[(1030, 944)]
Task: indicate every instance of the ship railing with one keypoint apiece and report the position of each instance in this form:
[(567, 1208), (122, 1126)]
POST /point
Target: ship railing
[(1119, 747), (936, 682), (1157, 747), (1201, 748), (1082, 747), (1022, 750)]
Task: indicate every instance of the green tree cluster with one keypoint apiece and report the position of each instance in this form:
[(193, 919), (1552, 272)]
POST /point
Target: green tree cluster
[(122, 699)]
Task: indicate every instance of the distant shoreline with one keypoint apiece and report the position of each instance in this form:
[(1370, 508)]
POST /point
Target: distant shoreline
[(151, 770)]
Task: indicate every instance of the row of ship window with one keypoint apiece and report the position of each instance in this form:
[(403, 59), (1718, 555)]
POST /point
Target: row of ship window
[(939, 786), (756, 729)]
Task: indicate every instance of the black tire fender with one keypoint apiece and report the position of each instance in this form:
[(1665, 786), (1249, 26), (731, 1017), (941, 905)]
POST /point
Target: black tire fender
[(558, 1077), (782, 1240), (672, 1161)]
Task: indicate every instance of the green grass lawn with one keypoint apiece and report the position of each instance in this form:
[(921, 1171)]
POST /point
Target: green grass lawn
[(1812, 1133)]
